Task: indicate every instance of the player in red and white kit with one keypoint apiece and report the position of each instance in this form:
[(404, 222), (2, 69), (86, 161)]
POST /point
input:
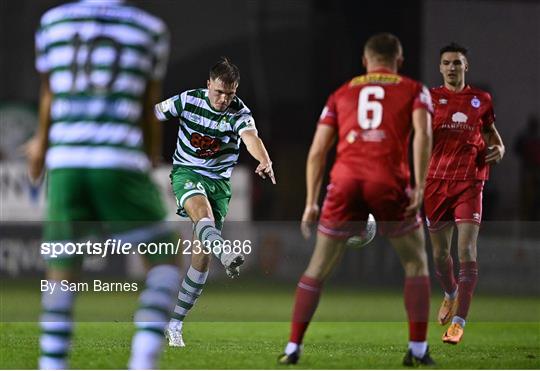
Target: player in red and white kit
[(372, 117), (465, 143)]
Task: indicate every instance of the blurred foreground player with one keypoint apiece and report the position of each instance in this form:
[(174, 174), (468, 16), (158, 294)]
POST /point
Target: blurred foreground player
[(101, 65), (372, 117), (465, 143)]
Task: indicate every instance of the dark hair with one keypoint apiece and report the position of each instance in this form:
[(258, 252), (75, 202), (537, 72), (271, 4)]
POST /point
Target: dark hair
[(454, 47), (384, 45), (226, 71)]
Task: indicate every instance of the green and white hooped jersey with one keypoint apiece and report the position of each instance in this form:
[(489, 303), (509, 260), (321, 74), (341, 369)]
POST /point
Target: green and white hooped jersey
[(208, 140), (99, 57)]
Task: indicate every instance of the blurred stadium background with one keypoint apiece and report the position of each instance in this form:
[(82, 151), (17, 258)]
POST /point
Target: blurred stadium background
[(292, 54)]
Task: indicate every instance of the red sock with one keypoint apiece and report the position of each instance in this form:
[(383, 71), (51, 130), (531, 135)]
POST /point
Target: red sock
[(416, 293), (444, 272), (308, 292), (468, 277)]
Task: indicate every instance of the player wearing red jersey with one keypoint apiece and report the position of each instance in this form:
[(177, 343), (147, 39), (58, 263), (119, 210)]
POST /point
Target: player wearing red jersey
[(372, 117), (465, 143)]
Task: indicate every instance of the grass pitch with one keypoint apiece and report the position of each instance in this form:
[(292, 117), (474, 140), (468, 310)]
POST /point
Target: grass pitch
[(235, 326)]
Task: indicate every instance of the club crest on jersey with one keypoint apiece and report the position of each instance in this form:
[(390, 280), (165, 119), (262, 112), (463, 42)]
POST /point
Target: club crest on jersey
[(189, 185), (443, 101), (223, 123), (476, 217), (475, 102), (459, 117)]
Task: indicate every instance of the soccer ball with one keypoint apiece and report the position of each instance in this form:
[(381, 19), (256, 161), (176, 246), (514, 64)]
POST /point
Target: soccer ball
[(366, 236)]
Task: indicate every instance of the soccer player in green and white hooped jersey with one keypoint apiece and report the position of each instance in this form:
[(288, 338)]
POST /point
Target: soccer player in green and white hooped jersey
[(212, 123), (101, 66)]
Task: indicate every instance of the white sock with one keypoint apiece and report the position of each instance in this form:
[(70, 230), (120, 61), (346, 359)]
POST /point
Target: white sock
[(50, 363), (205, 230), (459, 320), (418, 348), (155, 304), (191, 289), (145, 350), (176, 325), (291, 348), (452, 295)]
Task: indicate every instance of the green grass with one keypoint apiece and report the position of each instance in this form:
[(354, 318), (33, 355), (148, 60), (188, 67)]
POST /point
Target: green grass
[(245, 326)]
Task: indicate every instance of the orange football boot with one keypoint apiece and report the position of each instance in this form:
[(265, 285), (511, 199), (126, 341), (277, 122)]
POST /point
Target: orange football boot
[(453, 335), (447, 311)]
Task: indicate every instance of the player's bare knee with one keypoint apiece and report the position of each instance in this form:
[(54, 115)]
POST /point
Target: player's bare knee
[(440, 255), (415, 268), (467, 253)]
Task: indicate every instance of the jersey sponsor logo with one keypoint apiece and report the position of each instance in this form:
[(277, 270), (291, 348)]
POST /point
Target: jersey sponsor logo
[(476, 217), (443, 101), (459, 117), (376, 78), (475, 102), (206, 146), (373, 135), (459, 122)]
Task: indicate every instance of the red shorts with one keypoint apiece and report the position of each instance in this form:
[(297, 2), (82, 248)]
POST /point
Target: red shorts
[(447, 201), (349, 201)]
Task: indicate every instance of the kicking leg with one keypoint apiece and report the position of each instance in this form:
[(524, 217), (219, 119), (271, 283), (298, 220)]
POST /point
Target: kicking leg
[(199, 210)]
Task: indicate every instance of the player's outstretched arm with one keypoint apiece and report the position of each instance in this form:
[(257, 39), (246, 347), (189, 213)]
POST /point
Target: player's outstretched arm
[(256, 148), (494, 143), (422, 142), (323, 140), (36, 147)]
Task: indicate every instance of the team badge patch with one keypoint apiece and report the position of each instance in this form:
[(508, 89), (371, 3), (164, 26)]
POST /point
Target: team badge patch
[(189, 185), (475, 102)]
